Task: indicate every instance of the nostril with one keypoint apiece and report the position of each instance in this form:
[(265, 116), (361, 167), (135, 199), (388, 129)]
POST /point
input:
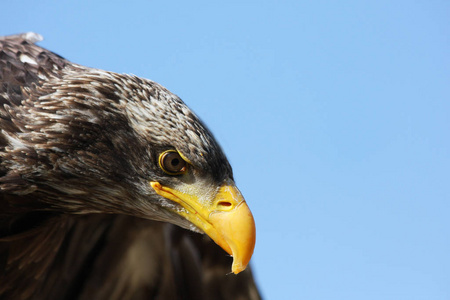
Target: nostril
[(224, 204)]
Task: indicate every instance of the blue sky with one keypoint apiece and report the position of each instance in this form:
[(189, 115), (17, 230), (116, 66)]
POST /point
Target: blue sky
[(335, 116)]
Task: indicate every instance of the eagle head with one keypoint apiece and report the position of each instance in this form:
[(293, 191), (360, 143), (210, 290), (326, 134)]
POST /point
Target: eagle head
[(82, 140)]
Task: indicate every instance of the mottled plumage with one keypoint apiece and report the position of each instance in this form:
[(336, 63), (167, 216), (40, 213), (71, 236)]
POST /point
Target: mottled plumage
[(78, 147)]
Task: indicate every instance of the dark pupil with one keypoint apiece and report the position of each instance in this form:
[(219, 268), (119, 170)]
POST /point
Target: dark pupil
[(175, 162)]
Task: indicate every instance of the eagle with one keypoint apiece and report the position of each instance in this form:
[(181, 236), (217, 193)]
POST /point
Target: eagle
[(106, 181)]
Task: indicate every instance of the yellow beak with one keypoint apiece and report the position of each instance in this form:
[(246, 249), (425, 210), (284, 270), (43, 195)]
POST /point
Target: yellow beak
[(226, 219)]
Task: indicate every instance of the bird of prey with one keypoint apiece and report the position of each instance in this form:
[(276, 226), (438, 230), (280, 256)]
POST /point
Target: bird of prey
[(96, 169)]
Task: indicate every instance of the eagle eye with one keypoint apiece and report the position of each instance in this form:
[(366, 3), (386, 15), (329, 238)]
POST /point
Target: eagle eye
[(172, 163)]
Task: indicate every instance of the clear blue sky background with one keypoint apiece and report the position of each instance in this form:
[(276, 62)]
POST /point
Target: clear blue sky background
[(334, 114)]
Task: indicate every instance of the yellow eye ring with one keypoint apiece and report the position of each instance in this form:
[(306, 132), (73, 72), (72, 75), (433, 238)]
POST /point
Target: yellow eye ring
[(171, 162)]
